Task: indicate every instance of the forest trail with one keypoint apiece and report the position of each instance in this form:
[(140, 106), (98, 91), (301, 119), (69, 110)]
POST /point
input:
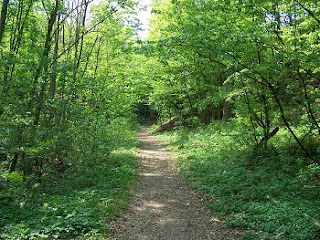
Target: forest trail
[(164, 207)]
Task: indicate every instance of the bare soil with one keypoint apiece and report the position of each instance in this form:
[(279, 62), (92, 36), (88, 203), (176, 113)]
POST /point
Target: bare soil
[(164, 206)]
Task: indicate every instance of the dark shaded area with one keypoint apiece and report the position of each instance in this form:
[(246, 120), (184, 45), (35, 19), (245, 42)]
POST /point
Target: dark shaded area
[(145, 113)]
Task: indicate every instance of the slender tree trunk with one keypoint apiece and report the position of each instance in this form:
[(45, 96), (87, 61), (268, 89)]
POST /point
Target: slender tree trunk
[(309, 107), (44, 64), (79, 44), (14, 162), (55, 54), (15, 43), (227, 113), (89, 55), (3, 18), (285, 120)]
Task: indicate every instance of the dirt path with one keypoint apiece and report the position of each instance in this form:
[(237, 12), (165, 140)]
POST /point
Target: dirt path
[(164, 207)]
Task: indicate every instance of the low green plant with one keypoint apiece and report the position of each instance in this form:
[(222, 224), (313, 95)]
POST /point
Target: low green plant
[(77, 206), (272, 193)]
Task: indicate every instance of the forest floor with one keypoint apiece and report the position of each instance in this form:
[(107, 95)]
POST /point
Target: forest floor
[(164, 206)]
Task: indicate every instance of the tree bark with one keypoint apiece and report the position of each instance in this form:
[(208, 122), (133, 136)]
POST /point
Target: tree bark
[(44, 64), (15, 43), (4, 12), (14, 162), (226, 111)]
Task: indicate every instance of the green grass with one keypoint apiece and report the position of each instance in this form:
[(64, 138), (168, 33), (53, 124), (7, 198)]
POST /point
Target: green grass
[(273, 194), (79, 205)]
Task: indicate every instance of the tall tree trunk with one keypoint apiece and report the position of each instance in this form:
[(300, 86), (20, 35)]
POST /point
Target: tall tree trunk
[(44, 64), (89, 55), (15, 43), (4, 12), (226, 115), (79, 44), (227, 111), (14, 162), (55, 54), (312, 117)]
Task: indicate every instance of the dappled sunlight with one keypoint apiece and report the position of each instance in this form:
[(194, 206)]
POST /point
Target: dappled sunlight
[(150, 174), (163, 206), (152, 153), (153, 204)]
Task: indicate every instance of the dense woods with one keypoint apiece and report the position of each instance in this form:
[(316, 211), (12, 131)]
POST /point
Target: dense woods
[(62, 76), (252, 60), (240, 79), (66, 104)]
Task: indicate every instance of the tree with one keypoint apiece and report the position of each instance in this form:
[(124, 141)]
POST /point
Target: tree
[(62, 78), (3, 18), (240, 58)]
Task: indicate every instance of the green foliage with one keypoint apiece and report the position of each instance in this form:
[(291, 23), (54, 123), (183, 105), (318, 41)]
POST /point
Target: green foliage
[(70, 89), (66, 118), (274, 194), (252, 63), (80, 203), (251, 60)]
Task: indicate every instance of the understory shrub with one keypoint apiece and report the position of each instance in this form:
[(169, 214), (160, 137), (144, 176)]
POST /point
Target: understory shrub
[(78, 192), (272, 193)]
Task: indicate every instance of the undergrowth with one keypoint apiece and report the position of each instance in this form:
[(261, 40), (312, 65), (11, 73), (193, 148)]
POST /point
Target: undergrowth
[(274, 194), (78, 205)]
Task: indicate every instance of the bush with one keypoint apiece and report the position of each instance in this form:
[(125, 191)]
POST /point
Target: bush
[(272, 193), (78, 192)]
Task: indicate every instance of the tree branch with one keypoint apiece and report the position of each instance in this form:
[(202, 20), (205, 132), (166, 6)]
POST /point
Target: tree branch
[(308, 11), (113, 10)]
